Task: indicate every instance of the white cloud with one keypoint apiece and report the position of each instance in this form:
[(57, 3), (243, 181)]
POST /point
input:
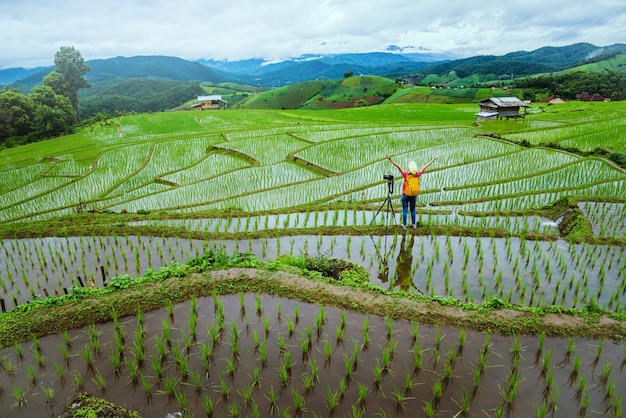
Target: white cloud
[(32, 31)]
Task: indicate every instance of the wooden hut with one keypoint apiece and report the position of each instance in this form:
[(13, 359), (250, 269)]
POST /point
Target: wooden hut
[(209, 102), (494, 108)]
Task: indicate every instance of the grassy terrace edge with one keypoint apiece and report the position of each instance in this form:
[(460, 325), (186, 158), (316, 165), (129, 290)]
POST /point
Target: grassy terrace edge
[(219, 274)]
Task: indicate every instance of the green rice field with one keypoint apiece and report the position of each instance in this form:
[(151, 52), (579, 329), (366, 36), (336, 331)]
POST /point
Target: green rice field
[(505, 222)]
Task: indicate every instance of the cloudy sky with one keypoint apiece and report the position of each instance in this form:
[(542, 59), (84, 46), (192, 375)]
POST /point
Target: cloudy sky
[(32, 31)]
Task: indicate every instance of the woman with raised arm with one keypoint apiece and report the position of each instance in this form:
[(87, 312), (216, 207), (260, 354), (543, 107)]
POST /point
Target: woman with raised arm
[(410, 188)]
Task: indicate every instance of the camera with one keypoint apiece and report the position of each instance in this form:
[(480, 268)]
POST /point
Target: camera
[(388, 177)]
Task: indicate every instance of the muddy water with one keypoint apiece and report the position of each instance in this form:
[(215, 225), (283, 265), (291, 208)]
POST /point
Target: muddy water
[(282, 325), (470, 269)]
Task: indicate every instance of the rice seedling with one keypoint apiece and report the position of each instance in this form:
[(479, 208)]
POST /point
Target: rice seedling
[(378, 373), (36, 345), (169, 386), (272, 398), (340, 332), (181, 400), (32, 376), (332, 399), (133, 370), (605, 375), (266, 325), (259, 304), (263, 353), (399, 396), (60, 371), (41, 360), (320, 320), (87, 357), (18, 351), (78, 381), (159, 343), (437, 391), (166, 332), (290, 327), (196, 380), (157, 367), (19, 395), (116, 363), (207, 405), (94, 339), (297, 401), (430, 409), (192, 323), (139, 348)]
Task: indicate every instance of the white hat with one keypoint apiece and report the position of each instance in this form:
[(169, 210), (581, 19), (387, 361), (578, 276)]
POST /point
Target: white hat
[(412, 167)]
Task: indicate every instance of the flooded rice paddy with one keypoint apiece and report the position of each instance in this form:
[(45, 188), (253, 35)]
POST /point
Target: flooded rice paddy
[(533, 273), (256, 355)]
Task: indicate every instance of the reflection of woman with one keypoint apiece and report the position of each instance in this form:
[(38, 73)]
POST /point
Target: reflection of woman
[(408, 202), (404, 263)]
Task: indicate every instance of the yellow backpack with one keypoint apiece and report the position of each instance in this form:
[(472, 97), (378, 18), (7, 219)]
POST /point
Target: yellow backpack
[(412, 186)]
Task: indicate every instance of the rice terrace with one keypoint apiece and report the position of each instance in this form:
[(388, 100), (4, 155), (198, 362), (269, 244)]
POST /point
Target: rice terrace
[(244, 263)]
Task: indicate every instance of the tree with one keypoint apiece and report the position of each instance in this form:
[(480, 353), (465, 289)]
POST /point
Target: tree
[(16, 114), (53, 114), (67, 78)]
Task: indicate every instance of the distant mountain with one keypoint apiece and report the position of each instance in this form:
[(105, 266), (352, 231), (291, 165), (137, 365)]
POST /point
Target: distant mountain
[(309, 67), (521, 63), (258, 72), (139, 67), (154, 67), (11, 75)]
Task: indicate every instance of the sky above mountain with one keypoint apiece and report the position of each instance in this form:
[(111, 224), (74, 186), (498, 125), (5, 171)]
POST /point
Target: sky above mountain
[(32, 31)]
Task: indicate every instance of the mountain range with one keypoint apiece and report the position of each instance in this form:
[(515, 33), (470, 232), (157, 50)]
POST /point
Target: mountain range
[(257, 72)]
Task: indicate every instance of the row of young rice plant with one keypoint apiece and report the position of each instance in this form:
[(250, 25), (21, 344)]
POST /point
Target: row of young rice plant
[(168, 157), (222, 187), (348, 131), (256, 355), (580, 173), (332, 155), (66, 166), (297, 130), (34, 189), (353, 217), (13, 178), (584, 136), (212, 165), (532, 273), (113, 167), (362, 184), (608, 219), (608, 189), (265, 150)]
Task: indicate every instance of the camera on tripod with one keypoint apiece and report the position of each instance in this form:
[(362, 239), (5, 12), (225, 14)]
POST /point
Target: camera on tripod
[(387, 201)]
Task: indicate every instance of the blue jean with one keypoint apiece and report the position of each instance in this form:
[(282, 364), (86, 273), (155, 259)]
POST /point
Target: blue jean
[(408, 202)]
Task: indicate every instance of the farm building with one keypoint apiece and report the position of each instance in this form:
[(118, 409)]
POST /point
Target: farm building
[(209, 102), (501, 107), (586, 97), (552, 100)]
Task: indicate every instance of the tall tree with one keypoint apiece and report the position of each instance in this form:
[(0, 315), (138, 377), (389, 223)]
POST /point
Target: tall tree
[(53, 114), (68, 78), (16, 114)]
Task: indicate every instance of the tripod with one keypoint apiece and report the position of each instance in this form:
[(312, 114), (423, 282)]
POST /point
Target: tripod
[(387, 202)]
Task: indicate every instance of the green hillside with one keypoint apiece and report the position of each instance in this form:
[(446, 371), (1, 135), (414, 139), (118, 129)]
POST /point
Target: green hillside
[(616, 63), (348, 92)]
